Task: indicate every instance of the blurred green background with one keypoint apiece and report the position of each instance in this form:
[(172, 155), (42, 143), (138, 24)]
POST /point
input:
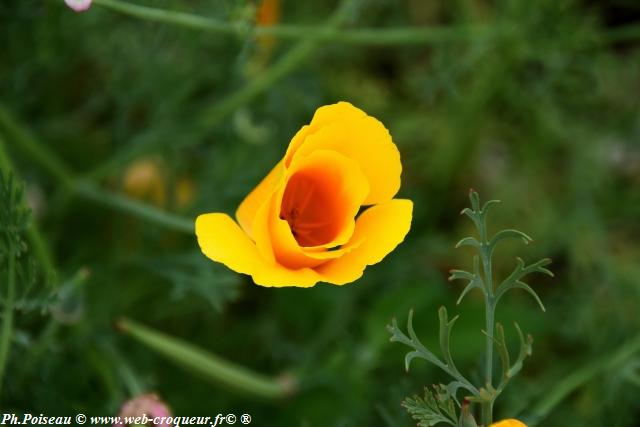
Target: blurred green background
[(535, 103)]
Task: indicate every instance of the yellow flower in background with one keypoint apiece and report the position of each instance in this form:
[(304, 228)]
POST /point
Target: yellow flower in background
[(144, 180), (509, 423), (300, 225)]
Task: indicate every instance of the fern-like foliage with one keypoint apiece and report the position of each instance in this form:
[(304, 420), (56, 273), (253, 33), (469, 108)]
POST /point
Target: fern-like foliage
[(435, 407), (14, 217), (15, 258), (192, 274), (421, 352)]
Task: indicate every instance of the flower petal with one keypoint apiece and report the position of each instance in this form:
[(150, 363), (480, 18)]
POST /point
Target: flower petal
[(276, 243), (381, 228), (325, 115), (249, 207), (222, 240), (509, 423), (341, 111), (327, 189), (297, 140), (348, 130), (277, 276)]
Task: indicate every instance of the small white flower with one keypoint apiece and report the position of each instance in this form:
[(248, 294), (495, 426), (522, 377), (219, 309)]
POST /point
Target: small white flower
[(78, 5)]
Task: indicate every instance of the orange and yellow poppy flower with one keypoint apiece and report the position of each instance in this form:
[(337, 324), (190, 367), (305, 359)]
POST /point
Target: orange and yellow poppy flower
[(305, 223)]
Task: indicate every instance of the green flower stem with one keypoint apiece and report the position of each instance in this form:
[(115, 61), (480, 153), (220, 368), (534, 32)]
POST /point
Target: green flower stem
[(294, 58), (216, 114), (39, 246), (363, 36), (487, 407), (207, 365), (7, 320), (134, 207), (367, 36), (490, 309), (39, 152), (54, 166), (578, 378)]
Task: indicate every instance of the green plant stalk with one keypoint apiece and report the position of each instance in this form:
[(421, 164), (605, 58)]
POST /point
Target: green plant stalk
[(7, 321), (490, 308), (365, 36), (483, 280), (40, 153), (487, 407), (210, 366), (134, 207), (210, 117), (578, 378), (294, 58), (216, 114), (55, 167)]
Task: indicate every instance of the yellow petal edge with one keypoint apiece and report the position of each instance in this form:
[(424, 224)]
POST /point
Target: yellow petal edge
[(509, 423)]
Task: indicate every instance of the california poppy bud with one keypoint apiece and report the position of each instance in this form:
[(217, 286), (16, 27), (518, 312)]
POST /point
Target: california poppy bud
[(466, 419), (78, 5), (146, 406)]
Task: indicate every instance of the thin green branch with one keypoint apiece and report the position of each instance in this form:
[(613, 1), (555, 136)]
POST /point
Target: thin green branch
[(54, 166), (578, 378), (49, 161), (420, 351), (139, 209), (485, 246), (489, 298), (365, 36), (293, 59), (211, 117), (490, 309), (208, 365)]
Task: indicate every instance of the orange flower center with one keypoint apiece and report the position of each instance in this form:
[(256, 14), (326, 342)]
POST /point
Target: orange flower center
[(310, 209)]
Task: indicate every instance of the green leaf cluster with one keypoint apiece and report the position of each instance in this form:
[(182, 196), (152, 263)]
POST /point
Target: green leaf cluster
[(428, 410), (437, 406)]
